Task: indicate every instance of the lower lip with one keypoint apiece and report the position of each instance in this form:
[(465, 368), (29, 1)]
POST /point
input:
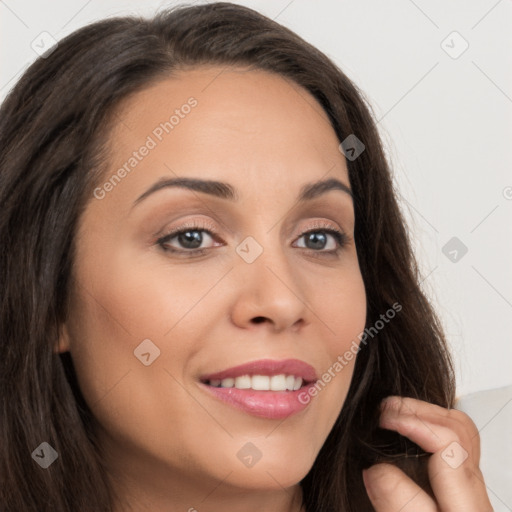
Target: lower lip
[(265, 404)]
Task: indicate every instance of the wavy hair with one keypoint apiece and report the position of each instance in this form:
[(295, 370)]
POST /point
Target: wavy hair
[(53, 128)]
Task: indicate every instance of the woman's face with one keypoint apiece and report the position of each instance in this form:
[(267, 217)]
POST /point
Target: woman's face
[(153, 316)]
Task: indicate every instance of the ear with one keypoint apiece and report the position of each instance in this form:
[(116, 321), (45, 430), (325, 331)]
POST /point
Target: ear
[(62, 344)]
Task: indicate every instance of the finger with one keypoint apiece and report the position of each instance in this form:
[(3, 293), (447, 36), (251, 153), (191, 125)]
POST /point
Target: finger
[(442, 423), (456, 482), (453, 469), (391, 490)]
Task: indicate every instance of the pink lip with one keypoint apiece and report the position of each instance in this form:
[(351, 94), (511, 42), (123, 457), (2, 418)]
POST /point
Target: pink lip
[(265, 404), (267, 367)]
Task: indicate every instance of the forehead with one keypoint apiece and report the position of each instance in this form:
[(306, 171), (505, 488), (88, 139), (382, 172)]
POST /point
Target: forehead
[(244, 126)]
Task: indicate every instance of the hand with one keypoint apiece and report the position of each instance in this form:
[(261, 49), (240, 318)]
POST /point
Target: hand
[(453, 468)]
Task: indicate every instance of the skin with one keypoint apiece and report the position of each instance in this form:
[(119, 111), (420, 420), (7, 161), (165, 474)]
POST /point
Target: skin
[(453, 440), (167, 444)]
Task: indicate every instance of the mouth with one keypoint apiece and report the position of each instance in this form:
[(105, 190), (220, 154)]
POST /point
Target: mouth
[(266, 388), (281, 382)]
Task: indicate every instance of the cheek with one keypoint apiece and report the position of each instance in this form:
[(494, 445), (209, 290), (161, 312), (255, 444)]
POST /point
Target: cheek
[(121, 302), (341, 307), (112, 318)]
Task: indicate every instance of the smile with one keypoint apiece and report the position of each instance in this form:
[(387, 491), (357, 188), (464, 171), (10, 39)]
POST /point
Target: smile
[(266, 388), (280, 382)]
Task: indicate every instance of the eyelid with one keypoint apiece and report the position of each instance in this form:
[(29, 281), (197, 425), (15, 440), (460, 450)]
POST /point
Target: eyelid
[(322, 224), (342, 239), (207, 225), (197, 224)]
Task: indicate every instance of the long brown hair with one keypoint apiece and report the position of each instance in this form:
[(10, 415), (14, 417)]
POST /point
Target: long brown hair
[(53, 126)]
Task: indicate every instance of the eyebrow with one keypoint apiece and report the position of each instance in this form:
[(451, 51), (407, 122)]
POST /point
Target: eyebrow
[(226, 191)]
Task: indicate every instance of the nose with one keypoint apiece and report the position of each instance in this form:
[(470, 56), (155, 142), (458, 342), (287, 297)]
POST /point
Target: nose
[(269, 292)]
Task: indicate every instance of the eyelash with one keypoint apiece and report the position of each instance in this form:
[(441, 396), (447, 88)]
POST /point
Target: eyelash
[(341, 238)]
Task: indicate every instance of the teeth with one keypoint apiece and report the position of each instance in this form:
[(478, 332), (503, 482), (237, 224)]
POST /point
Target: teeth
[(243, 382), (280, 382), (227, 383), (260, 382)]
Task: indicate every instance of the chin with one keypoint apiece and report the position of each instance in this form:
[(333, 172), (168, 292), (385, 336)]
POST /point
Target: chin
[(262, 465), (269, 477)]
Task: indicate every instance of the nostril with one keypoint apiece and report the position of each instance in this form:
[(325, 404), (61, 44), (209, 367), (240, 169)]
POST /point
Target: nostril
[(258, 319)]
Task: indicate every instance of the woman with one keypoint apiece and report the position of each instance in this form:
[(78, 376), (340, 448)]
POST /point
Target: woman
[(209, 295)]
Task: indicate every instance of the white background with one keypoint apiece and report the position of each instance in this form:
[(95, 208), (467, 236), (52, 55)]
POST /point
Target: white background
[(446, 122)]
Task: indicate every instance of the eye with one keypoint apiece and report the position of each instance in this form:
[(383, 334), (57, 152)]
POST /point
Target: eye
[(188, 241), (324, 239)]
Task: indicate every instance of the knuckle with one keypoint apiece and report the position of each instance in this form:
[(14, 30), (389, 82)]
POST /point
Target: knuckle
[(466, 421), (387, 480)]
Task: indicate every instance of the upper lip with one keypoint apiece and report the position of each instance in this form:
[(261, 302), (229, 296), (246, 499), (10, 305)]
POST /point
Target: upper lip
[(268, 367)]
